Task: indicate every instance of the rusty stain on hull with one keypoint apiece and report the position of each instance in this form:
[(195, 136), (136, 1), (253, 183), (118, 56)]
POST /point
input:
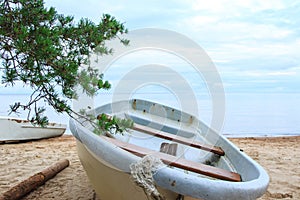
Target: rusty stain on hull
[(134, 104)]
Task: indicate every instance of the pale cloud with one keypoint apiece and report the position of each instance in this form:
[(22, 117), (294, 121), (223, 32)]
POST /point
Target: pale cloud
[(226, 6), (235, 52), (282, 73), (200, 20), (266, 74), (213, 29), (254, 43)]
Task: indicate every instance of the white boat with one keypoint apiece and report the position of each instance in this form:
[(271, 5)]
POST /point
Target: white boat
[(205, 165), (16, 129)]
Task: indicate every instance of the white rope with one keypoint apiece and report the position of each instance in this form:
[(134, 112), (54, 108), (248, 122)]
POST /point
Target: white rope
[(142, 173)]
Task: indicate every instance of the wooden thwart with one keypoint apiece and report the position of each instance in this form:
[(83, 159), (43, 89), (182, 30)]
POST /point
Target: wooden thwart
[(179, 139), (175, 138), (178, 162)]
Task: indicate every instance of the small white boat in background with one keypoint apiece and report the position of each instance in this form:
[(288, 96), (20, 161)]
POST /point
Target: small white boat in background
[(14, 129), (199, 163)]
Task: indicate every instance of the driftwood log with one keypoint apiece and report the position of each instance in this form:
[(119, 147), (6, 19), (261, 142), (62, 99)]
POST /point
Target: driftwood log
[(38, 179)]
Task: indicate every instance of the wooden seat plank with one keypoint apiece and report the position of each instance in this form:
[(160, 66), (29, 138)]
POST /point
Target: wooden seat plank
[(178, 162), (169, 148), (176, 138), (179, 139)]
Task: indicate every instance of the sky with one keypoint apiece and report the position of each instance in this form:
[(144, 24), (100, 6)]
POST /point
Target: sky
[(254, 44)]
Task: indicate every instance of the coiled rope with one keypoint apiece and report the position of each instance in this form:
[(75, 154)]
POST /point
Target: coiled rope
[(142, 173)]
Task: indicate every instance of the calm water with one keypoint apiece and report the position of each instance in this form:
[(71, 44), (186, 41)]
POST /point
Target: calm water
[(246, 114)]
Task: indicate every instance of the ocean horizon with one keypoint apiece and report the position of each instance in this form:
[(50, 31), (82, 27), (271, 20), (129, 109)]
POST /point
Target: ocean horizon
[(246, 115)]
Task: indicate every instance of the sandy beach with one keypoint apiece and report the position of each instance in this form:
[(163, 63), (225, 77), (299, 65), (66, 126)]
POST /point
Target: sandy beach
[(279, 156)]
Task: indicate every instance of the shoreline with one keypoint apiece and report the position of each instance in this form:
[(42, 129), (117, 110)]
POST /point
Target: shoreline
[(262, 137), (278, 155)]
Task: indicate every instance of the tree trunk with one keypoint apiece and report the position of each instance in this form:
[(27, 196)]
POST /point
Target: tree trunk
[(34, 181)]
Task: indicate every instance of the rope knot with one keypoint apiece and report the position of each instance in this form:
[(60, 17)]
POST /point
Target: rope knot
[(142, 173)]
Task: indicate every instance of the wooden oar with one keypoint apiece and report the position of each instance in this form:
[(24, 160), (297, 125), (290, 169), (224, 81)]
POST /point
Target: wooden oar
[(179, 139), (178, 162)]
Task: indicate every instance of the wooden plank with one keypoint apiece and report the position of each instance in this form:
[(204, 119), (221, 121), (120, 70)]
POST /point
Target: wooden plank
[(175, 138), (169, 148), (179, 139), (178, 162)]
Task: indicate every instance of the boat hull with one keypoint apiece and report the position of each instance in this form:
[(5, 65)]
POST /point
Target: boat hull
[(111, 183), (107, 165), (15, 129)]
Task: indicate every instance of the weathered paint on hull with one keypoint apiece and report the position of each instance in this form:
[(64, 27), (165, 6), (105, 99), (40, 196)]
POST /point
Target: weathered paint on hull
[(110, 183), (14, 130)]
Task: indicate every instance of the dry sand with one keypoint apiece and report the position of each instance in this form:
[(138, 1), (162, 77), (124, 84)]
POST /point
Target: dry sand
[(279, 156)]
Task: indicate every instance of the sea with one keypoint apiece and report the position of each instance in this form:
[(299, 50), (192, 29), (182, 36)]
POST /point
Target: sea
[(246, 115)]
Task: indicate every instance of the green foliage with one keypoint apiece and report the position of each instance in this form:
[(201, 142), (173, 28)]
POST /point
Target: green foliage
[(46, 50), (112, 124)]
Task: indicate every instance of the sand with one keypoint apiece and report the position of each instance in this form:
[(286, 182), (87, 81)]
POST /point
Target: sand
[(279, 156)]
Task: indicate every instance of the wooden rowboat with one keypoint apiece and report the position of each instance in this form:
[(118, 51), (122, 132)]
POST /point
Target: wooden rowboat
[(15, 129), (198, 162)]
